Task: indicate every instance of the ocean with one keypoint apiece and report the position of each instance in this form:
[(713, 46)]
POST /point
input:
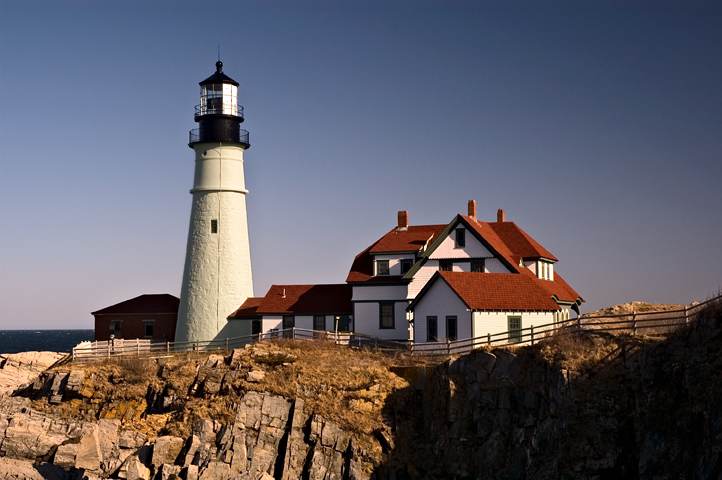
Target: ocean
[(15, 341)]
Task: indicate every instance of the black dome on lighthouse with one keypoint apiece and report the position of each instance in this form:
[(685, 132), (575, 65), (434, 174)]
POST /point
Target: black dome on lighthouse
[(218, 77)]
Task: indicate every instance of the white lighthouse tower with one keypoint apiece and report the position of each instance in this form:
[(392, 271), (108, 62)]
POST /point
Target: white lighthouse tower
[(217, 276)]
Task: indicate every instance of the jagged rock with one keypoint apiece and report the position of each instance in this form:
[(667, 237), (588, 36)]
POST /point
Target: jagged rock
[(255, 376), (136, 470), (212, 382), (216, 471), (32, 437), (74, 383), (236, 358), (21, 369), (131, 439), (108, 436), (88, 456), (188, 452), (296, 448), (168, 472), (166, 450), (191, 472), (14, 469), (57, 388), (65, 455), (214, 360)]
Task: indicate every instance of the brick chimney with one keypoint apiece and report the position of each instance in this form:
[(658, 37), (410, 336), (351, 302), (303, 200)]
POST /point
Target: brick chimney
[(403, 220), (472, 209), (500, 217)]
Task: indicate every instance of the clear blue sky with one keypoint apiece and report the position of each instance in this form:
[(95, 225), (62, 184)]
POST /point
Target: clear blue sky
[(596, 125)]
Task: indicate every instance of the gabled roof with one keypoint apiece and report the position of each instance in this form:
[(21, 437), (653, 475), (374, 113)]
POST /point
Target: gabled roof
[(298, 299), (411, 240), (248, 309), (493, 240), (519, 242), (494, 291), (152, 303)]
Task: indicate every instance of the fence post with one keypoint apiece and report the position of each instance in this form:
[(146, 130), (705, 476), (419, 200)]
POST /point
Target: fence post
[(579, 324), (686, 318), (488, 338), (167, 347), (634, 323), (532, 334), (448, 347), (137, 347)]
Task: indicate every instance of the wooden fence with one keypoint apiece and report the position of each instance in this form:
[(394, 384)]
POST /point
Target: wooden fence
[(650, 323), (140, 347), (659, 322)]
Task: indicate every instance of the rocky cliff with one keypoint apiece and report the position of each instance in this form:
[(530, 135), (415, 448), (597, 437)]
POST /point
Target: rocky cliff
[(571, 407)]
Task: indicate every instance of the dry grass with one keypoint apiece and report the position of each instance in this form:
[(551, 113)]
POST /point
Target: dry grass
[(346, 385)]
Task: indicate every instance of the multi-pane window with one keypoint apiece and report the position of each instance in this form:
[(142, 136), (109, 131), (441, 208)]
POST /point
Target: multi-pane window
[(451, 333), (214, 226), (460, 238), (382, 267), (446, 266), (148, 329), (477, 266), (319, 322), (386, 315), (406, 266), (514, 329), (432, 329)]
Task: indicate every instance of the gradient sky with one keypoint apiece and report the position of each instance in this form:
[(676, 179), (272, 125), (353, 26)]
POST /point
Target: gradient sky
[(596, 125)]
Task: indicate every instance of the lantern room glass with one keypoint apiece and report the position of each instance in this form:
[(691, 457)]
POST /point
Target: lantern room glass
[(219, 99)]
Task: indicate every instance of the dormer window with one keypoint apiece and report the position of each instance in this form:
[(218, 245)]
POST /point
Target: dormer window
[(446, 266), (545, 270), (382, 267), (460, 238), (406, 266)]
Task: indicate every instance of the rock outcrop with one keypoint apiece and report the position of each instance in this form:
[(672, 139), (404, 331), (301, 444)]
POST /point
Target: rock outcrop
[(571, 407), (18, 370)]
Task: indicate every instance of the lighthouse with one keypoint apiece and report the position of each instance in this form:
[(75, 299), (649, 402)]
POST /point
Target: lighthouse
[(217, 276)]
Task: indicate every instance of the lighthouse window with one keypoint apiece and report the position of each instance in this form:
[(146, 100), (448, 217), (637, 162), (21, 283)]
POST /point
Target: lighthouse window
[(214, 226)]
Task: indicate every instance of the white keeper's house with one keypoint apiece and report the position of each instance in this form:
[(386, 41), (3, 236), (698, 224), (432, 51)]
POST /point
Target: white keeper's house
[(428, 283)]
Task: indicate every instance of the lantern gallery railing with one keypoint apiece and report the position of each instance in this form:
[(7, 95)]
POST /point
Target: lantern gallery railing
[(218, 109), (213, 135)]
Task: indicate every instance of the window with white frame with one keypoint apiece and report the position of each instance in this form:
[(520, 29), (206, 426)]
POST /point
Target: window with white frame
[(382, 267)]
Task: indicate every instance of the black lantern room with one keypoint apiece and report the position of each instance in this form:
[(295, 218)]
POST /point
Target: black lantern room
[(219, 116)]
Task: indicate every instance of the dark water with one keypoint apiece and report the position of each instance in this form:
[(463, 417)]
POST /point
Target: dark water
[(14, 341)]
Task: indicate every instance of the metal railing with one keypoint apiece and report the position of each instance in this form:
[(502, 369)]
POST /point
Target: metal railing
[(654, 323), (201, 135), (220, 109)]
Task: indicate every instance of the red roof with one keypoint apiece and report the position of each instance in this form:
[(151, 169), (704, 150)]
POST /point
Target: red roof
[(412, 239), (519, 242), (248, 309), (495, 242), (499, 291), (297, 299), (560, 288), (154, 303)]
